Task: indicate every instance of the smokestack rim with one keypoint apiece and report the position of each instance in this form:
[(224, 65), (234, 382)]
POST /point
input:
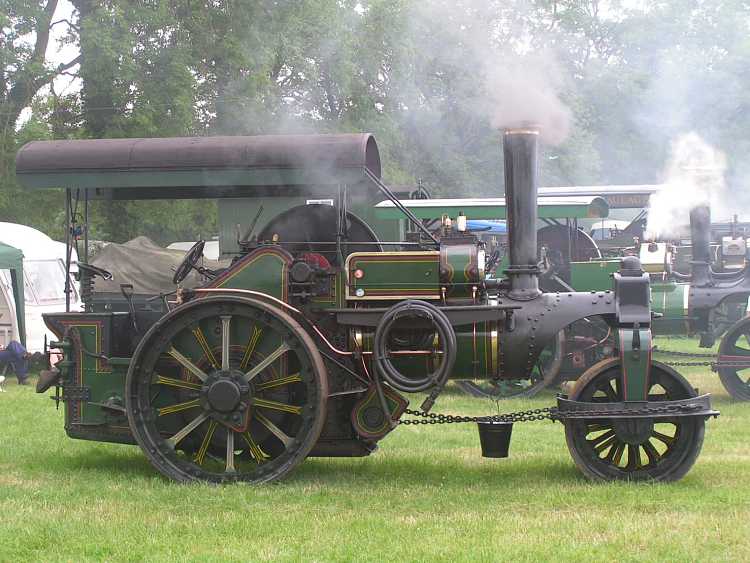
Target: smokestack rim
[(521, 131)]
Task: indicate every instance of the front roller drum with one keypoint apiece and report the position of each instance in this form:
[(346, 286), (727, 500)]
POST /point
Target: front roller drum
[(734, 360), (633, 449), (226, 389)]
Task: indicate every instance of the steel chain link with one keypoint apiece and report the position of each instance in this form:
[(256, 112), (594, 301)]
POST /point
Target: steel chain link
[(713, 365), (546, 413)]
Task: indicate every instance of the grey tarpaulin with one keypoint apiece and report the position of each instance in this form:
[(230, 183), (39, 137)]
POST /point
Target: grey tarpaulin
[(146, 265)]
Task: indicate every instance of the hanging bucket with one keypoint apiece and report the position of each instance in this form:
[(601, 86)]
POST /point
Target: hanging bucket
[(494, 437)]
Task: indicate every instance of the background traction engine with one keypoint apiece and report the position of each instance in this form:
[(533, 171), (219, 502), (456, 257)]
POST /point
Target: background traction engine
[(294, 352), (710, 304)]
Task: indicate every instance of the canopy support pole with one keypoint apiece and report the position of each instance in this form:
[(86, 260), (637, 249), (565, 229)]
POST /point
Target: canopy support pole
[(68, 249), (86, 226)]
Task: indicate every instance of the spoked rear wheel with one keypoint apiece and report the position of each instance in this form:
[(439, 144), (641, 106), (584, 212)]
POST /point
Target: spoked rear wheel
[(226, 389), (735, 348), (653, 449)]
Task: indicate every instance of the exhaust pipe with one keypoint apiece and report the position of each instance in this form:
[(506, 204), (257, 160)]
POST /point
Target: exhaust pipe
[(520, 152), (700, 236)]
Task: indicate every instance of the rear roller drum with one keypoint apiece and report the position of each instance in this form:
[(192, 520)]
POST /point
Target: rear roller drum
[(643, 449), (735, 348), (226, 389)]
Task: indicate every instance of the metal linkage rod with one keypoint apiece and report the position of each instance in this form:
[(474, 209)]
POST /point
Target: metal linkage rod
[(390, 195)]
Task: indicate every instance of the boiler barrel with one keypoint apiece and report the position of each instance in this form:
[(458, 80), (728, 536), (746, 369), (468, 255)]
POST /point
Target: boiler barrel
[(477, 351)]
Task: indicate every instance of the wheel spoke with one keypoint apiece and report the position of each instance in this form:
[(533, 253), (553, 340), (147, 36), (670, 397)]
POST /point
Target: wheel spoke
[(187, 364), (255, 450), (161, 380), (192, 425), (275, 405), (634, 459), (294, 378), (225, 324), (179, 407), (230, 451), (275, 430), (617, 454), (651, 452), (667, 440), (201, 339), (611, 393), (611, 453), (250, 348), (601, 446), (601, 438), (267, 361), (201, 455)]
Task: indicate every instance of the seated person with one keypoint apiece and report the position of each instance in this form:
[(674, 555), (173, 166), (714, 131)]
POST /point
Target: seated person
[(15, 355)]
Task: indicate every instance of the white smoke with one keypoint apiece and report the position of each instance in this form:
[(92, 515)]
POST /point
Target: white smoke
[(694, 176), (508, 82)]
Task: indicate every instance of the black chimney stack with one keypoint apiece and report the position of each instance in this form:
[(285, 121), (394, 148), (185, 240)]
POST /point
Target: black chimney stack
[(520, 148), (700, 235)]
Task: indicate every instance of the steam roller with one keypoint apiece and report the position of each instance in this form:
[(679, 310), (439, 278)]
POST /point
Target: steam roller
[(317, 337)]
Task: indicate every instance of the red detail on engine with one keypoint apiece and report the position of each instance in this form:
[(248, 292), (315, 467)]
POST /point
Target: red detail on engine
[(315, 259)]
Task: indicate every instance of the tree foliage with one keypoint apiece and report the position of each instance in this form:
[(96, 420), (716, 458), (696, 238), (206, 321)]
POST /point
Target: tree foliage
[(422, 75)]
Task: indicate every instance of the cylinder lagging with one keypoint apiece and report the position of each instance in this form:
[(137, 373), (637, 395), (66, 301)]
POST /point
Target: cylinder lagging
[(520, 152), (700, 235)]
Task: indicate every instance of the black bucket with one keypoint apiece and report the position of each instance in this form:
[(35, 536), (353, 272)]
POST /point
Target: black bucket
[(494, 437)]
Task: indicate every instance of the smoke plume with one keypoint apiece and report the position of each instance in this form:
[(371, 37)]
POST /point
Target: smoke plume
[(507, 82), (694, 176)]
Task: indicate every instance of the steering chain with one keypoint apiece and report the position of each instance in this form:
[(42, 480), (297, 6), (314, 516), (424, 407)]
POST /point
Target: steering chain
[(544, 413)]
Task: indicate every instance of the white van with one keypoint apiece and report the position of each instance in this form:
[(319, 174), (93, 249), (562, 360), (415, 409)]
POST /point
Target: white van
[(44, 279)]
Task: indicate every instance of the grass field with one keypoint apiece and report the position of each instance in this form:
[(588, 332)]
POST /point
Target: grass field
[(426, 495)]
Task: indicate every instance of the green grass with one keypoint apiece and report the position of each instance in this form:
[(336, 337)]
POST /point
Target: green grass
[(426, 495)]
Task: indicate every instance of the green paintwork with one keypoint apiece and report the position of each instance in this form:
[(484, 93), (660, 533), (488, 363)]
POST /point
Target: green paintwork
[(494, 208), (263, 270), (475, 358), (104, 380), (636, 364), (593, 276), (474, 355), (669, 300), (12, 259), (394, 276), (459, 270)]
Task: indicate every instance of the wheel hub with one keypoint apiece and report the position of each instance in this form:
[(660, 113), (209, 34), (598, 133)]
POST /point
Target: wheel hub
[(223, 395), (226, 395), (633, 431)]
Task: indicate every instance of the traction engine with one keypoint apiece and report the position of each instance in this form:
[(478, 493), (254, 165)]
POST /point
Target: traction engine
[(314, 340)]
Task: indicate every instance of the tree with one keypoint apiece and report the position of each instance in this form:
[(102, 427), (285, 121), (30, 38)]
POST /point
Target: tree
[(25, 28)]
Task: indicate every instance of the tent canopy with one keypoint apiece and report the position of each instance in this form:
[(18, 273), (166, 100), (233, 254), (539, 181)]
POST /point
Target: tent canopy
[(12, 259)]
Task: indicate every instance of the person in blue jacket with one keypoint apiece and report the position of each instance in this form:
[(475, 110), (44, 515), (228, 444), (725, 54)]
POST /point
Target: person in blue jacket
[(15, 355)]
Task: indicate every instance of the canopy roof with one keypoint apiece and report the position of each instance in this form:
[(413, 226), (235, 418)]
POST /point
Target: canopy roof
[(12, 259), (198, 167), (631, 196), (494, 208)]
